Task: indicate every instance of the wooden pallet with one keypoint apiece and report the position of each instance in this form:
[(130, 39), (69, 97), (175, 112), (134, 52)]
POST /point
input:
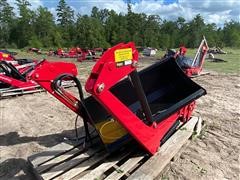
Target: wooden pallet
[(65, 161)]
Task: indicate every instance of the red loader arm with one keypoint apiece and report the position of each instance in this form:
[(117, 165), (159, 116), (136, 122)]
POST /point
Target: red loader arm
[(49, 75)]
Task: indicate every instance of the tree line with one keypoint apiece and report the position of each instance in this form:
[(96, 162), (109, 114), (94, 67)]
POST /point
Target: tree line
[(104, 28)]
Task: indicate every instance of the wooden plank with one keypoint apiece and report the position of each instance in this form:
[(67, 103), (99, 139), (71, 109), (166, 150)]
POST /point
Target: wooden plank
[(124, 168), (178, 154), (83, 166), (152, 168), (58, 160), (37, 159), (97, 173), (198, 128), (61, 168)]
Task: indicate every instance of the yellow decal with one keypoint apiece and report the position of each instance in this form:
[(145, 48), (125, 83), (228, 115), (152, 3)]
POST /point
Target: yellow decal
[(123, 54), (4, 55)]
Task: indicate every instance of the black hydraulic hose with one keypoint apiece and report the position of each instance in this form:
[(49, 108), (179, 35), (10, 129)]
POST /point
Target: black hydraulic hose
[(85, 113)]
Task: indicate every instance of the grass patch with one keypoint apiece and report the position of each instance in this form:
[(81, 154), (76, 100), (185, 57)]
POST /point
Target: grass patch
[(232, 66)]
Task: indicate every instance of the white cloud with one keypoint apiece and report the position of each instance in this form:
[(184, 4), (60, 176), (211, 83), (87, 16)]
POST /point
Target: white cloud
[(34, 5), (85, 7), (53, 11), (214, 11)]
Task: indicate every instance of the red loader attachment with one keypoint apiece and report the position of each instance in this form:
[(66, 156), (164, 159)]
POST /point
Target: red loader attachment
[(20, 64), (197, 63), (6, 56), (125, 104), (11, 80), (191, 67), (90, 54), (72, 53), (15, 80)]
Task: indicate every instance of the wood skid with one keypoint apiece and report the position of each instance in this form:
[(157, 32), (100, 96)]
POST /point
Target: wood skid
[(67, 161)]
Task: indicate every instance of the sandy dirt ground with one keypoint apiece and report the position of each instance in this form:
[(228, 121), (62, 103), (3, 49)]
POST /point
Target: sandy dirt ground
[(33, 123)]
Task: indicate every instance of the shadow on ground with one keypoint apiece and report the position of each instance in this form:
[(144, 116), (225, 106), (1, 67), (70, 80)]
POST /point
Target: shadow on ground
[(13, 138), (15, 169)]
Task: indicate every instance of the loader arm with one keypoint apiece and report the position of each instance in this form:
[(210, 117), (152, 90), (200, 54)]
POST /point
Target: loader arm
[(50, 75)]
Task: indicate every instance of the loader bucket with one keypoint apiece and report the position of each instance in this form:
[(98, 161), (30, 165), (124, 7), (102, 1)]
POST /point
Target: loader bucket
[(170, 95), (145, 106), (166, 87)]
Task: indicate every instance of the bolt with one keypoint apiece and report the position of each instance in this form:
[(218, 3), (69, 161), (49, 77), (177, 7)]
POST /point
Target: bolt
[(36, 76), (154, 125), (76, 104), (101, 87)]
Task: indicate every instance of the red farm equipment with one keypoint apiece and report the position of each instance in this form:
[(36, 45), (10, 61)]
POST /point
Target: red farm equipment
[(59, 52), (15, 80), (20, 64), (72, 53), (90, 54), (6, 56), (8, 52), (124, 104), (34, 50), (79, 53), (192, 67)]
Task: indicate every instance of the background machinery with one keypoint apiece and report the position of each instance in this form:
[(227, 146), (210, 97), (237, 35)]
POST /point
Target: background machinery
[(192, 67)]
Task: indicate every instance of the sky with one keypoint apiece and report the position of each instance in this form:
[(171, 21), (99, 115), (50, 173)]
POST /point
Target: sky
[(213, 11)]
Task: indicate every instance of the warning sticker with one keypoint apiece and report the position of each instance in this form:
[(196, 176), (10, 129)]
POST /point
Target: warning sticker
[(123, 55)]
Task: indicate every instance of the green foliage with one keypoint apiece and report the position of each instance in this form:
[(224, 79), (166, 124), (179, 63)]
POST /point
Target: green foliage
[(65, 14), (35, 42), (65, 18), (6, 19), (89, 32), (23, 29), (231, 34), (44, 27), (104, 28)]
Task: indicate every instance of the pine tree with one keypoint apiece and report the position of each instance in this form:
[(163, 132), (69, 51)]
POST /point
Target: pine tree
[(23, 31), (65, 14), (6, 21), (66, 23)]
